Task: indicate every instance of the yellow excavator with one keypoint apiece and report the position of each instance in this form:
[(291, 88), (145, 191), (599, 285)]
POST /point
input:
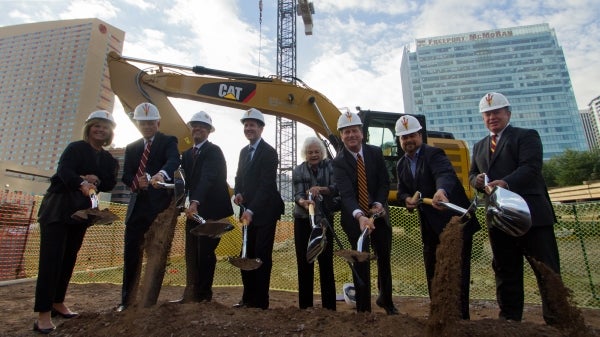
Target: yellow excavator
[(292, 100)]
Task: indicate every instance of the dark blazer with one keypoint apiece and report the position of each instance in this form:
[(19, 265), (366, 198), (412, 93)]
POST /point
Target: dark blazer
[(63, 197), (164, 155), (378, 181), (256, 181), (206, 181), (518, 161), (433, 171)]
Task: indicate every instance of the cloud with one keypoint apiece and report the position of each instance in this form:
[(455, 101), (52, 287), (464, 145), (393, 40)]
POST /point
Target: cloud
[(102, 9)]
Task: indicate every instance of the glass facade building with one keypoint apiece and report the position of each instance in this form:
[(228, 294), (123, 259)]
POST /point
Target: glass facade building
[(445, 77)]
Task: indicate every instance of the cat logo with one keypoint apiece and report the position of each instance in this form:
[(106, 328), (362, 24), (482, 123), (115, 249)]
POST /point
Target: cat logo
[(232, 91)]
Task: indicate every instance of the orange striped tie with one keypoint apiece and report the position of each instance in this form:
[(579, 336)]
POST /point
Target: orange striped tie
[(493, 144), (363, 192)]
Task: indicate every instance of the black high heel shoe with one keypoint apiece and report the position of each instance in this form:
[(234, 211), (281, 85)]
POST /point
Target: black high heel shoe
[(54, 313), (42, 331)]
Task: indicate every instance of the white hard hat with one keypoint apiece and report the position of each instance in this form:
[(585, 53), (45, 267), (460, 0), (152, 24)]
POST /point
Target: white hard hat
[(146, 112), (406, 125), (348, 119), (253, 113), (102, 114), (493, 101), (202, 117), (349, 294)]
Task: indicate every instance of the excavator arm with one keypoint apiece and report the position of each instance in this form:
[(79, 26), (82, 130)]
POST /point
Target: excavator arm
[(295, 101), (271, 95)]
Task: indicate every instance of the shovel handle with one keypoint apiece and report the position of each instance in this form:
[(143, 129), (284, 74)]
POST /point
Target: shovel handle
[(427, 201), (311, 209)]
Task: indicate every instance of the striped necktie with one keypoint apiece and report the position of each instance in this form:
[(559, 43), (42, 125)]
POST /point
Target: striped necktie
[(493, 144), (141, 171), (363, 192)]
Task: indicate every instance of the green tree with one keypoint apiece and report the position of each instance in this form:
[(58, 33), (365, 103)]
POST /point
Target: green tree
[(572, 168)]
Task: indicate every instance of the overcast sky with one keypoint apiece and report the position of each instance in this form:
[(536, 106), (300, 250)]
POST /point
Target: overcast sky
[(353, 56)]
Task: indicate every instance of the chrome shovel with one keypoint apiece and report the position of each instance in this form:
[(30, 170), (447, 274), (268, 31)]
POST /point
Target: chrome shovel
[(243, 262), (318, 238), (359, 255)]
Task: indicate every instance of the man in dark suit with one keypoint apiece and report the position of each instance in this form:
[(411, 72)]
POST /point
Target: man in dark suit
[(256, 190), (511, 157), (355, 215), (155, 155), (205, 171), (427, 169)]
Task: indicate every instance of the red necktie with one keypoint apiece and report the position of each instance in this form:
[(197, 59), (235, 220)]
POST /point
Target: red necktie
[(142, 168), (493, 144), (363, 192)]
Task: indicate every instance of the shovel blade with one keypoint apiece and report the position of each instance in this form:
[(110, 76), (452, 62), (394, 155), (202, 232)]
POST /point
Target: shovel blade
[(96, 216), (354, 255), (212, 228), (316, 244), (245, 263)]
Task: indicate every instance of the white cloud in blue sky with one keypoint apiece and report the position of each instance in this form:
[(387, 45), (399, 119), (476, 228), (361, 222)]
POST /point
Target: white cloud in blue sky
[(353, 56)]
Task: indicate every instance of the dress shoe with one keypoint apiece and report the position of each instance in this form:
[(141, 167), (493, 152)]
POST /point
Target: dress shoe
[(45, 331), (54, 313), (390, 309), (120, 308), (240, 304)]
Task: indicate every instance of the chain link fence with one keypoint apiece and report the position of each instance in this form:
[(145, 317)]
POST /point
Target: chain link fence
[(100, 259)]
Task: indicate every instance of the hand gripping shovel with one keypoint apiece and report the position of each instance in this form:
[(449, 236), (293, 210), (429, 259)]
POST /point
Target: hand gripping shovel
[(97, 216), (243, 262), (358, 255), (318, 238), (465, 213)]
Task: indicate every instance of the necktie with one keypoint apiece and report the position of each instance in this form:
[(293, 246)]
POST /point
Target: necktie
[(196, 151), (493, 144), (363, 193), (249, 156), (142, 168)]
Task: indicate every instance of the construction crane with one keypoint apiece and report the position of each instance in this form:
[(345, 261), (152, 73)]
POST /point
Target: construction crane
[(285, 129)]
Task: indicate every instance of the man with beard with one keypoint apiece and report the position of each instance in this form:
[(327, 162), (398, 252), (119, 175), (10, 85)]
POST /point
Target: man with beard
[(428, 170)]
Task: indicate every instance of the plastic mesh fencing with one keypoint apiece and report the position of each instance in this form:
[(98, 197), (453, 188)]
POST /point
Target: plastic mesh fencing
[(100, 259)]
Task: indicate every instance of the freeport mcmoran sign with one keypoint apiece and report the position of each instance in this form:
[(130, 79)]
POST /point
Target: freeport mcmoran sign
[(465, 37)]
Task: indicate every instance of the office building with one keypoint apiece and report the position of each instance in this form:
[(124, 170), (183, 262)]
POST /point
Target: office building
[(588, 128), (444, 78), (594, 110), (52, 75)]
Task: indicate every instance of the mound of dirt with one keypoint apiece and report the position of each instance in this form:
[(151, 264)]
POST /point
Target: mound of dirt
[(95, 303)]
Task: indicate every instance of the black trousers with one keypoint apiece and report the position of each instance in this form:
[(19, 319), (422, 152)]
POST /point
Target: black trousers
[(306, 271), (59, 244), (538, 243), (133, 253), (261, 237), (200, 263), (381, 242)]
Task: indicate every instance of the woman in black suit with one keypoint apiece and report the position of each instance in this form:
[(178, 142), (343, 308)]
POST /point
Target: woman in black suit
[(83, 166)]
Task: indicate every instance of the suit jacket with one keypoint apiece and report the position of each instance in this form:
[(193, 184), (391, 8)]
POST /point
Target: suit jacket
[(206, 181), (164, 155), (63, 197), (378, 183), (433, 171), (257, 182), (518, 161)]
